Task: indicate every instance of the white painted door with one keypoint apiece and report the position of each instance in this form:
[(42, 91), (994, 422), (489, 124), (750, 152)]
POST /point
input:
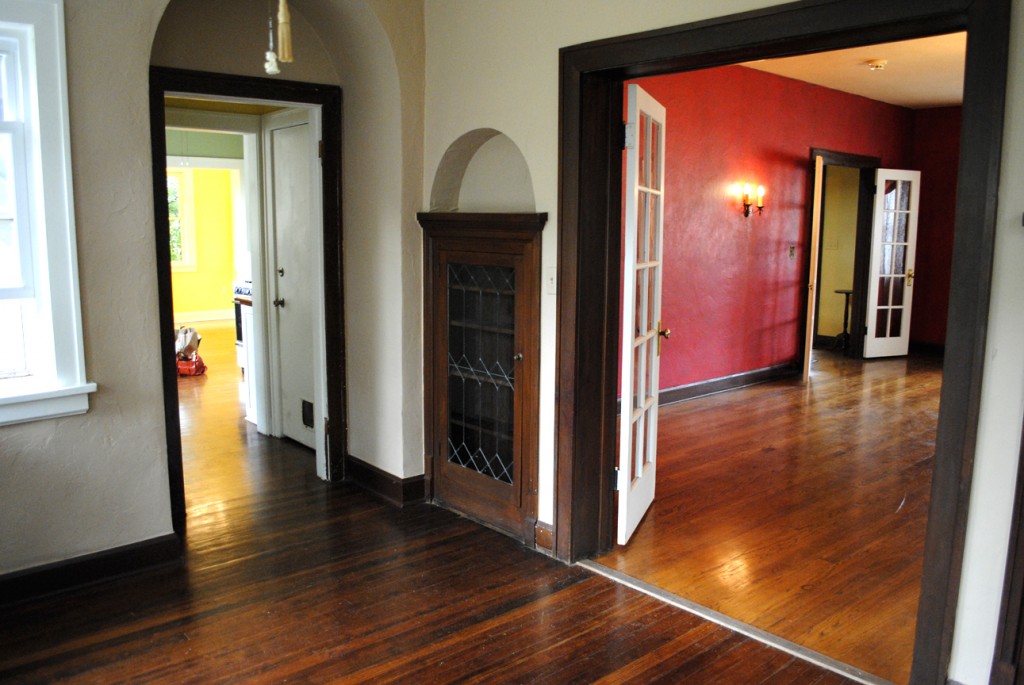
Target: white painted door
[(641, 308), (891, 275), (293, 286)]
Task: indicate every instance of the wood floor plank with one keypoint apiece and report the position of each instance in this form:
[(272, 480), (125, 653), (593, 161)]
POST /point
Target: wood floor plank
[(800, 510), (289, 579)]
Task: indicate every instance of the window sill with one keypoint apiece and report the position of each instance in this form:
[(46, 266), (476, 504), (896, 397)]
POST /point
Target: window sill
[(24, 400)]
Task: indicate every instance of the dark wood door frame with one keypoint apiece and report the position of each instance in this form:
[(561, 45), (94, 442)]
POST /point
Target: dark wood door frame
[(590, 91), (862, 250), (163, 81)]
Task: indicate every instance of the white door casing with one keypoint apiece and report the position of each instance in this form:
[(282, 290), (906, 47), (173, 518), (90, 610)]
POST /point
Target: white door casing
[(891, 275), (641, 308)]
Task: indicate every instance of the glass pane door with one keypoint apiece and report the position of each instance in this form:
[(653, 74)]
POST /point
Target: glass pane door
[(481, 369)]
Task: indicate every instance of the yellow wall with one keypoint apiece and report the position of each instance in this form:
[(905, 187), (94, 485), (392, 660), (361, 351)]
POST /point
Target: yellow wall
[(209, 287), (838, 244)]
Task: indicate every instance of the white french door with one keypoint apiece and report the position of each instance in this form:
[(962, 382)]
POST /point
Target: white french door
[(891, 275), (641, 308)]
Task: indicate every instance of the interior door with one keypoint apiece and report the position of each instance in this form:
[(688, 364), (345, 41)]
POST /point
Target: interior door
[(641, 308), (288, 150), (891, 275)]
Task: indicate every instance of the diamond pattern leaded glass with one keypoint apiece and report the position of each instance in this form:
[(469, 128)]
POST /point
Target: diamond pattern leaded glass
[(481, 373)]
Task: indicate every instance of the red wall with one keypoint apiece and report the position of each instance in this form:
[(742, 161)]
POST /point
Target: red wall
[(732, 296), (936, 152)]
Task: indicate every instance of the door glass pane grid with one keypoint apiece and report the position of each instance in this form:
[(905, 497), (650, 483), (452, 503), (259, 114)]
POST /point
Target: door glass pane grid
[(642, 229), (481, 370), (649, 371), (653, 214), (889, 201), (650, 416), (640, 323), (638, 395), (652, 280), (892, 266), (903, 203), (642, 148), (636, 467), (655, 155)]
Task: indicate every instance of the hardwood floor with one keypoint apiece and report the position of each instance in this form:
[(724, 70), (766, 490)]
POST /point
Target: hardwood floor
[(800, 511), (288, 578)]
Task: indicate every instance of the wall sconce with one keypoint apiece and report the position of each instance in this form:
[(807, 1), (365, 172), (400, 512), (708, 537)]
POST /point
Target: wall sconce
[(748, 201)]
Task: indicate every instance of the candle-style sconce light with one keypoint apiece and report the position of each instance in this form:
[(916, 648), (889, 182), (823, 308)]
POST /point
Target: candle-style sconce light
[(747, 199)]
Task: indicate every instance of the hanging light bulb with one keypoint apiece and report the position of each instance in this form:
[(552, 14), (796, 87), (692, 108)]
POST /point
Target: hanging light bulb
[(271, 57), (284, 32)]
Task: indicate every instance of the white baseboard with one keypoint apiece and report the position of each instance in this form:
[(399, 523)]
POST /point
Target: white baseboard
[(182, 318)]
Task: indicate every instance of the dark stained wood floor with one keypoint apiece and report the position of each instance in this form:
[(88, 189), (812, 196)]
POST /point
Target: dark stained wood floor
[(801, 511), (291, 579)]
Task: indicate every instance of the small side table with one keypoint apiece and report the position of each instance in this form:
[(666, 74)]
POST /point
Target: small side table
[(843, 339)]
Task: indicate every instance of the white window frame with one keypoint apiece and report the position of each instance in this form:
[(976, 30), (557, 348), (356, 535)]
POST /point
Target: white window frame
[(57, 384)]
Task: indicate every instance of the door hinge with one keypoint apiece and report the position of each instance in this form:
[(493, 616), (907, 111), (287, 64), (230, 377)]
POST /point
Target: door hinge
[(320, 150), (628, 136), (615, 480)]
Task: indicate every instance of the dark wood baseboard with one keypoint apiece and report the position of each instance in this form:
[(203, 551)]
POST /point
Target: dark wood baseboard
[(544, 537), (400, 492), (738, 380), (924, 349), (92, 568)]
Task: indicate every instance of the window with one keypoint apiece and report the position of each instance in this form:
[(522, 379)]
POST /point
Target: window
[(181, 219), (42, 368)]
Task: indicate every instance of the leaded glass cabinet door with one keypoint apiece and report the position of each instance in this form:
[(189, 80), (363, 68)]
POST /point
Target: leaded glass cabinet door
[(891, 275), (483, 303)]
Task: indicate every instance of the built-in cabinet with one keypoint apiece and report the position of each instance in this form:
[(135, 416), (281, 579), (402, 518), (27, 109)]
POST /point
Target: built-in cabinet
[(482, 339)]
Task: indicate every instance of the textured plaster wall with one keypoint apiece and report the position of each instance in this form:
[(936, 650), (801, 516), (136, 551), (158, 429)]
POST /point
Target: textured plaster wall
[(732, 294), (86, 483), (89, 483), (374, 51), (495, 65)]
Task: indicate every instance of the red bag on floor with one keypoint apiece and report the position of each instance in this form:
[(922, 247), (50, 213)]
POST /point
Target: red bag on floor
[(193, 366)]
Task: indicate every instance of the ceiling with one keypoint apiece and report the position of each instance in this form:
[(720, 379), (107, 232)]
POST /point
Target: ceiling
[(921, 73), (231, 107)]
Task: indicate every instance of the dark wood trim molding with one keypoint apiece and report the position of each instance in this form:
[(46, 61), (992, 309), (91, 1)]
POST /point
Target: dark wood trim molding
[(401, 492), (737, 380), (91, 568), (178, 81), (590, 177), (544, 537), (1009, 651)]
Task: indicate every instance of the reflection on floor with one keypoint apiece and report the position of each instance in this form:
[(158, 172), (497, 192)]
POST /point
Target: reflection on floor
[(290, 579), (800, 511)]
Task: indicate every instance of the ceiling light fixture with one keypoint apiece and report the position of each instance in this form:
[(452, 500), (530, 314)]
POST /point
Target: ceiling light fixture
[(284, 37), (876, 64)]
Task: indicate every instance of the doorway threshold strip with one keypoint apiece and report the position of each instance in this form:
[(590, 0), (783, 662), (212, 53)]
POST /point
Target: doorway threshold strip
[(799, 651)]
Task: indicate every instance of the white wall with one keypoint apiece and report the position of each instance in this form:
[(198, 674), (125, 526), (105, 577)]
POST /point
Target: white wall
[(93, 482), (495, 65), (80, 484), (1002, 402), (345, 43), (89, 483)]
